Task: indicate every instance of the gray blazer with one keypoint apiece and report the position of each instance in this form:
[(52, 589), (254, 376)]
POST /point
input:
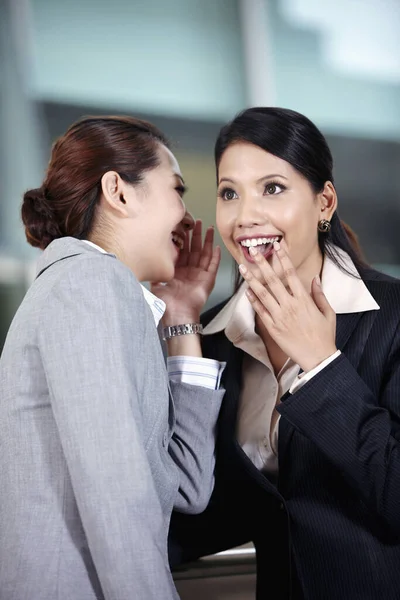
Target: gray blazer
[(93, 452)]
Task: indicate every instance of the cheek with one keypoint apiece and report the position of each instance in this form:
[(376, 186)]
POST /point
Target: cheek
[(302, 241), (298, 225), (173, 210), (223, 222), (289, 217)]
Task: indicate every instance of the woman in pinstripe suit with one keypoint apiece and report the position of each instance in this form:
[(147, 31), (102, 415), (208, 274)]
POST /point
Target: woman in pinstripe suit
[(308, 457)]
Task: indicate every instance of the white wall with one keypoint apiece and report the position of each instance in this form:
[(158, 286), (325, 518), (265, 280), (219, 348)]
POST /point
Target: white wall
[(338, 61)]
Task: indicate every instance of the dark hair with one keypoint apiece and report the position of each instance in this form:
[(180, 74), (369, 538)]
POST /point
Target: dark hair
[(65, 204), (294, 138)]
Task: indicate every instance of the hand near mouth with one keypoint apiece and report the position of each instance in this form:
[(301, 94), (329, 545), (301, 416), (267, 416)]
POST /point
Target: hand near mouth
[(302, 325), (195, 274)]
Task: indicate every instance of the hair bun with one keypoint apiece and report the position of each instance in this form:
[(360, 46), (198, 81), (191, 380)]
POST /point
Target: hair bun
[(39, 220)]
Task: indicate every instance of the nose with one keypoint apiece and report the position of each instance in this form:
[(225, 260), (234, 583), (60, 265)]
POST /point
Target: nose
[(250, 213), (188, 221)]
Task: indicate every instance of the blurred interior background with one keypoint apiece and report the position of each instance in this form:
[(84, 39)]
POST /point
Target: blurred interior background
[(189, 66)]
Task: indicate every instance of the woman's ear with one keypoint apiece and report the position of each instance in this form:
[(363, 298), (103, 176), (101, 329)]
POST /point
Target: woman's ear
[(114, 193), (328, 201)]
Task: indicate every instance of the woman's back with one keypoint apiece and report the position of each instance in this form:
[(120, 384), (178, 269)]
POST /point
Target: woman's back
[(53, 467)]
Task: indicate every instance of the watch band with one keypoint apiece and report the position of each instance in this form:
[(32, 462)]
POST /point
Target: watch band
[(184, 329)]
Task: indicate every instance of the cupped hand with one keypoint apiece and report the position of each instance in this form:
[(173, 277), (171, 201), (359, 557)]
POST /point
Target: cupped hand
[(195, 273), (303, 325)]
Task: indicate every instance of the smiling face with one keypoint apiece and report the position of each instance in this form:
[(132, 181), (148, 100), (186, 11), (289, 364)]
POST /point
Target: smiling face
[(262, 198), (148, 220), (162, 220)]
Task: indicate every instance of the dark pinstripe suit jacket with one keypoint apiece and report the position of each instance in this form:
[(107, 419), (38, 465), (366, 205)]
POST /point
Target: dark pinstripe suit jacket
[(329, 527)]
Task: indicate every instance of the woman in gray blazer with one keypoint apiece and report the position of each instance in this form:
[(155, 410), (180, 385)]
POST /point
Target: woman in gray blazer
[(98, 442)]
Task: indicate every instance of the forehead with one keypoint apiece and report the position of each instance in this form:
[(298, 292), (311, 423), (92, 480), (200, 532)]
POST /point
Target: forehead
[(247, 159), (169, 162)]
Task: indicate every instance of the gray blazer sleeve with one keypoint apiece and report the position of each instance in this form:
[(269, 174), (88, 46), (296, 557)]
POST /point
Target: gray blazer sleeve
[(192, 445), (91, 343)]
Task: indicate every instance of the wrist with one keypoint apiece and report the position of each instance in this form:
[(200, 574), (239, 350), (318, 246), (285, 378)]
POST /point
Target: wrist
[(183, 329), (174, 318), (184, 345), (308, 364)]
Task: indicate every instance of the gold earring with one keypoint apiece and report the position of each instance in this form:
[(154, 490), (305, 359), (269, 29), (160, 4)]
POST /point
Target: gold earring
[(324, 226)]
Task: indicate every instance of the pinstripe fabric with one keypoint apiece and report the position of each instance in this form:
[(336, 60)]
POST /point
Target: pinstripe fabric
[(329, 527)]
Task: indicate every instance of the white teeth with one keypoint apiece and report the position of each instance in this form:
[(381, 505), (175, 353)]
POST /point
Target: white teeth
[(258, 241), (178, 241)]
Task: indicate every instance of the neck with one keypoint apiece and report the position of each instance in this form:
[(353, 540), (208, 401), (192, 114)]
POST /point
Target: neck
[(113, 247), (310, 269)]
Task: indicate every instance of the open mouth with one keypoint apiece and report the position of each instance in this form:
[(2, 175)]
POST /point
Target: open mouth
[(264, 245), (178, 241)]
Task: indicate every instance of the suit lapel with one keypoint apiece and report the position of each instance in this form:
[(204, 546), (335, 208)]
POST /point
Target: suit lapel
[(345, 325), (224, 350)]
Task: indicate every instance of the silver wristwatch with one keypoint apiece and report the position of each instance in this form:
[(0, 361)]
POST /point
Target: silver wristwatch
[(185, 329)]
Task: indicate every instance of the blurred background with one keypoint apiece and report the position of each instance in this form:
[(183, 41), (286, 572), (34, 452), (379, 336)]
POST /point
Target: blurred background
[(189, 66)]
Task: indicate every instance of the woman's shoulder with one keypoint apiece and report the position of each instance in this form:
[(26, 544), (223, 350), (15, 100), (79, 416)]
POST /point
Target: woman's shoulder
[(79, 271), (371, 274), (106, 267), (72, 260), (385, 289), (376, 281)]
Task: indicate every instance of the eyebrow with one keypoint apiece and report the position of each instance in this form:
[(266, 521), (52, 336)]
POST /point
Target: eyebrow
[(273, 176)]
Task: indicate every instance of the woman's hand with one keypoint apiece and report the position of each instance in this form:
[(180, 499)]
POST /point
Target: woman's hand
[(195, 274), (303, 326)]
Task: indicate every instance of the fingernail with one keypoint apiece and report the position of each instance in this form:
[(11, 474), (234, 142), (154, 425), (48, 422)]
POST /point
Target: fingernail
[(242, 269), (253, 251), (277, 246), (250, 294), (318, 280)]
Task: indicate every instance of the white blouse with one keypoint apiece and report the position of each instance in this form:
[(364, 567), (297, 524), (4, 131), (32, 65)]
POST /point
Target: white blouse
[(262, 390)]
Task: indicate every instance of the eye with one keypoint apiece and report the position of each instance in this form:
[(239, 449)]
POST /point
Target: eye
[(271, 189), (181, 189), (227, 194)]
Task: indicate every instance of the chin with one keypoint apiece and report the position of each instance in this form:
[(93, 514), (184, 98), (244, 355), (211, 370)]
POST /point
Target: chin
[(164, 275)]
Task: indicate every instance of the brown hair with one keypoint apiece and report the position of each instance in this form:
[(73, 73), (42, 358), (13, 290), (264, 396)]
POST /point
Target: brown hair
[(355, 242), (65, 204)]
